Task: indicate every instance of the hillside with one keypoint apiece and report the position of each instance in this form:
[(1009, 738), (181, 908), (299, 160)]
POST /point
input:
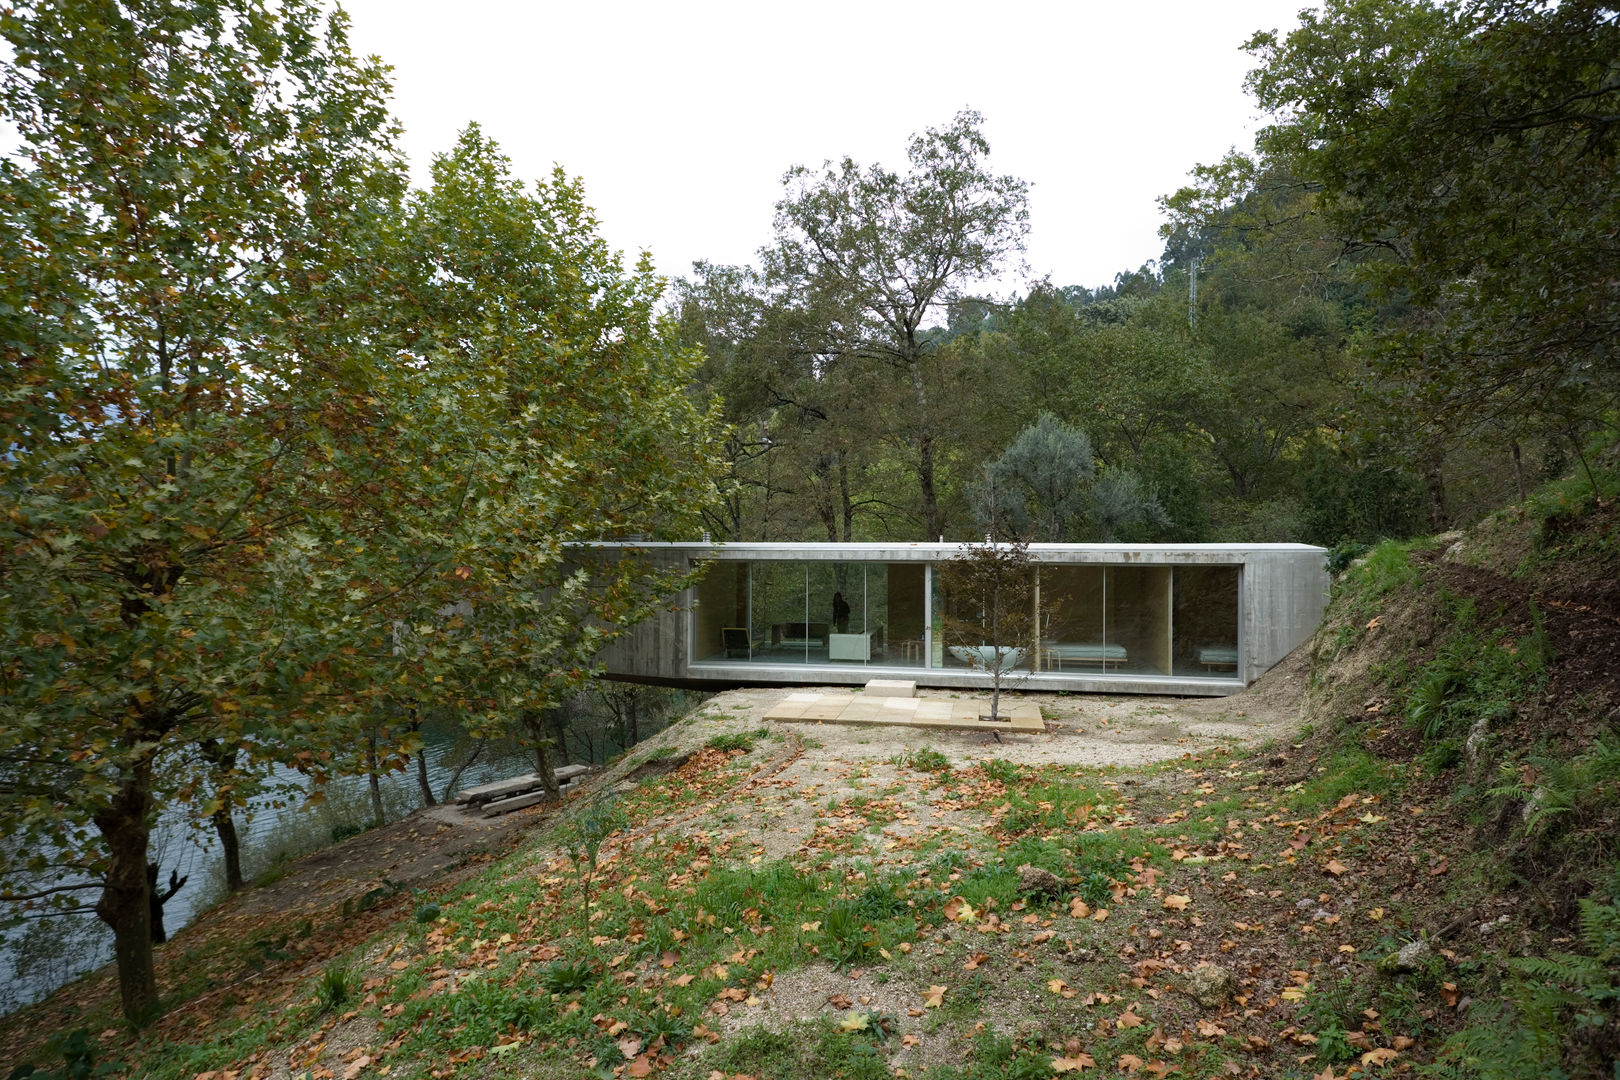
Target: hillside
[(1405, 867)]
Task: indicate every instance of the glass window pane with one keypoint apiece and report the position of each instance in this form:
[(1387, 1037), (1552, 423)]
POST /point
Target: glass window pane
[(984, 611), (903, 611), (1138, 617), (720, 614), (779, 613), (1206, 612), (1071, 621)]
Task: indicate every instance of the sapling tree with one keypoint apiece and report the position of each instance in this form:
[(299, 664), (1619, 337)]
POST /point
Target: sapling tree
[(989, 590), (584, 835)]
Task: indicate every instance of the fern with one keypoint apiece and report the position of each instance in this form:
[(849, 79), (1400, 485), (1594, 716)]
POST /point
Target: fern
[(1553, 999)]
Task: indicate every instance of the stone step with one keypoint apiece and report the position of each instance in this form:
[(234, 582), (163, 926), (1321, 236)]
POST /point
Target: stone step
[(901, 688)]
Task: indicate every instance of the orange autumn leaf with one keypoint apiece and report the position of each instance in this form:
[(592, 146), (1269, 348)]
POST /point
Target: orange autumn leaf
[(934, 998), (1177, 902), (1335, 867), (1073, 1063)]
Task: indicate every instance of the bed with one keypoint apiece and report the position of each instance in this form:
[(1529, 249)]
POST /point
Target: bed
[(1058, 657)]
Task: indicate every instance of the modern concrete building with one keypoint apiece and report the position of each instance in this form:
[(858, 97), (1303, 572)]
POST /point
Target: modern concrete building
[(1115, 618)]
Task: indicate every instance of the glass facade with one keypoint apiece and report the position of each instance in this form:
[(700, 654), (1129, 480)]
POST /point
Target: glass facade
[(822, 612), (1206, 622), (1081, 619)]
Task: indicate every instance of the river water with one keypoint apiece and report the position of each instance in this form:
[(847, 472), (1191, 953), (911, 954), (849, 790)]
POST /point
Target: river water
[(48, 953)]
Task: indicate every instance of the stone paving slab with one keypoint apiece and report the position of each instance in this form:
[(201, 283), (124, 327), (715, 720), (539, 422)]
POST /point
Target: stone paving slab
[(944, 713), (890, 688)]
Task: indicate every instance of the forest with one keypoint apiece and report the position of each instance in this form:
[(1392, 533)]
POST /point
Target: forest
[(297, 456)]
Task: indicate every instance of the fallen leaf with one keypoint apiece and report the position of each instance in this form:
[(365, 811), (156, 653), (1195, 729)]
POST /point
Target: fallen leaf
[(855, 1021), (1383, 1056), (629, 1046), (839, 1001), (959, 910), (1128, 1019), (639, 1067), (1177, 902), (1073, 1063), (934, 998), (1335, 867), (1129, 1063), (1079, 909), (356, 1067)]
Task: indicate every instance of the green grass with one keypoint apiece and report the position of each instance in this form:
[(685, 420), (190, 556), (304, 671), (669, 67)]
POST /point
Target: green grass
[(738, 740)]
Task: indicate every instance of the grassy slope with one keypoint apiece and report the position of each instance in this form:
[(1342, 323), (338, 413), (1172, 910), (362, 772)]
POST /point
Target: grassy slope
[(1454, 784)]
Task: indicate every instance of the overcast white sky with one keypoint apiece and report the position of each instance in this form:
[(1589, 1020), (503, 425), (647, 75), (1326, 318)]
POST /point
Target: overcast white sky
[(682, 117)]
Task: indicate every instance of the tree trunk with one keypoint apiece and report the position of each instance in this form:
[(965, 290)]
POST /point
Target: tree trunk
[(448, 792), (847, 507), (1435, 480), (422, 778), (932, 528), (544, 769), (371, 778), (125, 903), (224, 763), (230, 847)]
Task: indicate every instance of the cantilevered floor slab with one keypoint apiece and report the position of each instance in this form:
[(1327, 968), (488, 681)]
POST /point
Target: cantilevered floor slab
[(940, 713)]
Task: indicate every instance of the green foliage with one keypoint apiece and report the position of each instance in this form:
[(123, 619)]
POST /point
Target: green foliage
[(999, 1057), (1003, 771), (583, 836), (1477, 675), (804, 1050), (427, 913), (565, 977), (925, 759), (847, 934), (77, 1052), (1561, 1008), (1565, 804), (337, 987), (1382, 105), (278, 439), (743, 741)]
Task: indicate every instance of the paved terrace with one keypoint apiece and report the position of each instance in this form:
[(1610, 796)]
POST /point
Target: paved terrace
[(893, 703)]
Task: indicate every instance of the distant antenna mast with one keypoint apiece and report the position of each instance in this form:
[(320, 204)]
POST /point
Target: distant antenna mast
[(1192, 296)]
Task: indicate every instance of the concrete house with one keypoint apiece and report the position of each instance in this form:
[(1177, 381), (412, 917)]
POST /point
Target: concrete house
[(1115, 618)]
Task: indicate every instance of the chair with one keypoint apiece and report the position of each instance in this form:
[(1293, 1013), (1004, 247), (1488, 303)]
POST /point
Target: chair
[(737, 642)]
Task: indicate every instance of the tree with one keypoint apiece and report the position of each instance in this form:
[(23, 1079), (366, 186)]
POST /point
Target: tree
[(989, 591), (881, 254), (1046, 486), (559, 414), (1472, 150), (189, 408)]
